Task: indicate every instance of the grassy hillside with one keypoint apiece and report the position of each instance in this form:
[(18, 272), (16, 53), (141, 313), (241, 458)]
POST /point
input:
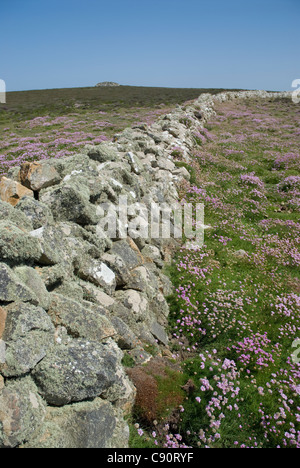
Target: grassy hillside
[(61, 101), (55, 123)]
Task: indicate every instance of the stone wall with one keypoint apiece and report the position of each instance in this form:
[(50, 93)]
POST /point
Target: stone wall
[(73, 300)]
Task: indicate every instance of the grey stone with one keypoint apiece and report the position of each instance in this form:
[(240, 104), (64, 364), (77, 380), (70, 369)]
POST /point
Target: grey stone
[(118, 266), (241, 254), (136, 303), (159, 333), (84, 425), (182, 172), (28, 334), (70, 289), (22, 412), (33, 281), (80, 371), (160, 308), (129, 252), (135, 163), (36, 212), (53, 245), (126, 339), (81, 320), (11, 289), (8, 213), (52, 275), (70, 202), (139, 280), (102, 153), (17, 245), (98, 273)]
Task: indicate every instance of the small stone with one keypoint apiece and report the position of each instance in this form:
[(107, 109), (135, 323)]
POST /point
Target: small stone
[(126, 339), (135, 163), (241, 254), (182, 172), (118, 266), (95, 295), (12, 192), (136, 303), (70, 202), (159, 333)]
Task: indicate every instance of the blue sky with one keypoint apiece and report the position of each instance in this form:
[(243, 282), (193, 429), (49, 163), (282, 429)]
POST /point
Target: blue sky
[(174, 43)]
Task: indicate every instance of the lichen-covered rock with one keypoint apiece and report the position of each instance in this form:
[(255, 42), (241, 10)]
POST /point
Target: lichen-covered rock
[(95, 295), (160, 308), (70, 202), (81, 320), (31, 278), (135, 163), (70, 289), (36, 176), (87, 425), (129, 252), (125, 338), (79, 371), (102, 153), (22, 412), (140, 280), (27, 334), (136, 303), (7, 212), (12, 192), (182, 172), (11, 289), (52, 275), (17, 245), (36, 212), (152, 253), (98, 273), (118, 266)]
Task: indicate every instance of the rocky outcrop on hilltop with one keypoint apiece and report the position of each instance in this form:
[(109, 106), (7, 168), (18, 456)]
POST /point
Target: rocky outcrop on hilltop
[(107, 84), (74, 299)]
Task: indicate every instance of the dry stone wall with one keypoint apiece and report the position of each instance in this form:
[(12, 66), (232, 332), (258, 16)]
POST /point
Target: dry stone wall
[(72, 300)]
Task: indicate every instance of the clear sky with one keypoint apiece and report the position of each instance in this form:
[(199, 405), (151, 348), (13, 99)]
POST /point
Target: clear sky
[(174, 43)]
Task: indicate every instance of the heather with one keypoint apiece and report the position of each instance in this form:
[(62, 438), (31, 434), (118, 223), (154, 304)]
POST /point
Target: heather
[(236, 312)]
